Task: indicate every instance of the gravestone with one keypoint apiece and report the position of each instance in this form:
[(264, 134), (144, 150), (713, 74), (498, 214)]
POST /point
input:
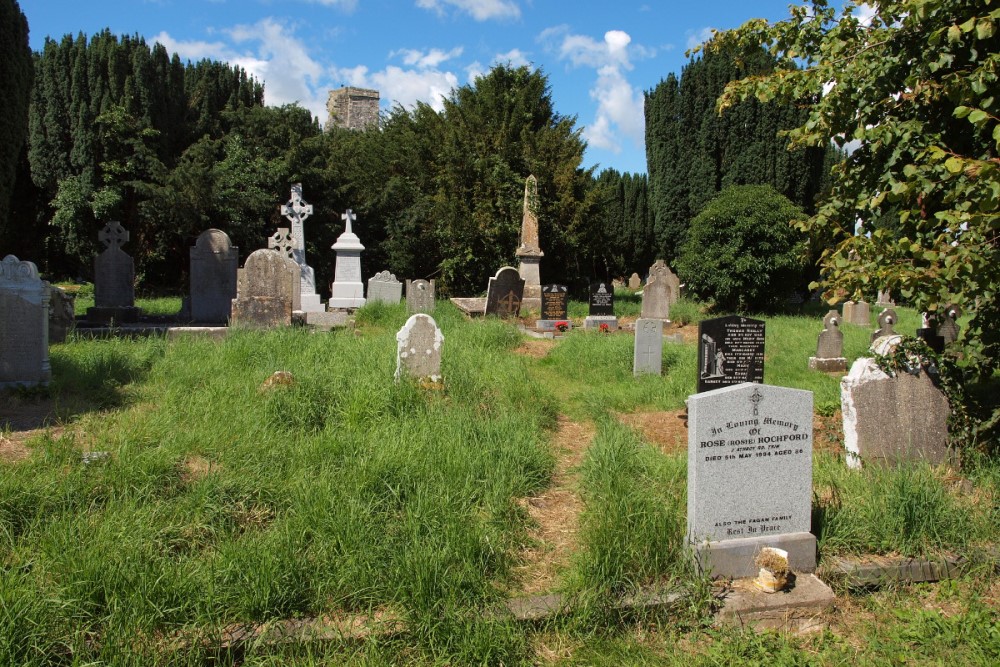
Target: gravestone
[(860, 314), (504, 293), (347, 290), (618, 284), (418, 349), (830, 346), (661, 291), (648, 353), (384, 288), (730, 351), (215, 262), (292, 242), (24, 325), (267, 289), (420, 296), (555, 307), (928, 332), (634, 282), (62, 314), (529, 252), (601, 306), (114, 278), (749, 479), (948, 326), (891, 420), (886, 322), (884, 299)]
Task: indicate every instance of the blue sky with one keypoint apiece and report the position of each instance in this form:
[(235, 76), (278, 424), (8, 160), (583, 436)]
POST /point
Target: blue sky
[(600, 56)]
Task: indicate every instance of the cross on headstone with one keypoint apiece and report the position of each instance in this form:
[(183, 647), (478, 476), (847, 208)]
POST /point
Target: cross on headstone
[(348, 217), (755, 398), (649, 353), (510, 302), (113, 234), (296, 210), (282, 241)]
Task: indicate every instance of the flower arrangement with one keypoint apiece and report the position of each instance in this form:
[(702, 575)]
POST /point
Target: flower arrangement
[(562, 326), (604, 328)]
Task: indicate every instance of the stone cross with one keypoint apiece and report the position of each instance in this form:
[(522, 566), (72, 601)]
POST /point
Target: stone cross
[(510, 302), (296, 211), (348, 218), (113, 234), (283, 242)]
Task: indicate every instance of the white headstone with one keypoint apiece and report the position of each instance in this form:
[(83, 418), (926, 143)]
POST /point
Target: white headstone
[(347, 290), (648, 354), (24, 325), (750, 476), (292, 242), (384, 288), (418, 348)]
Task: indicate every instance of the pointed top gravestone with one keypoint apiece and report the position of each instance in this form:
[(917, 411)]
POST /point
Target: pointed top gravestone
[(504, 293), (529, 252), (830, 346), (660, 292), (418, 349), (24, 325), (292, 242), (114, 278), (420, 296), (347, 290), (214, 266)]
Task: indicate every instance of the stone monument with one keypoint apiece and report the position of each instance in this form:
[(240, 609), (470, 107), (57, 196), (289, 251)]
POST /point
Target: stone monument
[(62, 314), (418, 349), (948, 328), (661, 291), (420, 296), (347, 290), (857, 313), (529, 253), (750, 477), (635, 282), (730, 351), (114, 279), (384, 288), (830, 346), (292, 242), (886, 321), (215, 262), (267, 288), (648, 353), (601, 307), (505, 293), (24, 325), (555, 307)]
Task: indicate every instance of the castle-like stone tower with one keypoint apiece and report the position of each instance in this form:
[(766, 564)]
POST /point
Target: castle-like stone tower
[(352, 108)]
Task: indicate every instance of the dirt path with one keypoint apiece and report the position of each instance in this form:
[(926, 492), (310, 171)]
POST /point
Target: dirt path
[(556, 512), (22, 420)]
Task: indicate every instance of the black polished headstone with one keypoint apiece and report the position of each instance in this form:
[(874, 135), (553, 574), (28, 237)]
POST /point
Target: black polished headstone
[(602, 299), (730, 351), (555, 302)]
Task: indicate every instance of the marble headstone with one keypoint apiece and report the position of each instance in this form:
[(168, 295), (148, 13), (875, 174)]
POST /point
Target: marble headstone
[(24, 325), (730, 351), (418, 348), (384, 288), (347, 290), (114, 278), (292, 242), (660, 292), (215, 262), (750, 477), (648, 353), (504, 293), (830, 346), (267, 289), (420, 296)]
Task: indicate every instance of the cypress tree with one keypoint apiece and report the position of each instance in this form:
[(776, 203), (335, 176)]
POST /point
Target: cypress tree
[(15, 82)]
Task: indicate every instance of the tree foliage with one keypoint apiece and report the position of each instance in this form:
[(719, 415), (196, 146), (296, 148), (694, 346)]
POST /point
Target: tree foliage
[(742, 252), (628, 243), (15, 81)]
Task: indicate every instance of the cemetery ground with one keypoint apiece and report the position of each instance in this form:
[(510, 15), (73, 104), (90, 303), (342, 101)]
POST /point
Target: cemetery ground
[(163, 503)]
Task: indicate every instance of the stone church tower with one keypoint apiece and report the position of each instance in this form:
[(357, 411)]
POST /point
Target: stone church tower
[(352, 108)]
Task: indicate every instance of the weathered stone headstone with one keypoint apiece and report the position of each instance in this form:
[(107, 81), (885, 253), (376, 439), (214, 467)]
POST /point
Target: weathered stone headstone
[(750, 477), (601, 306), (634, 282), (504, 293), (267, 288), (24, 325), (62, 314), (418, 348), (830, 346), (292, 242), (420, 296), (730, 351), (648, 354), (114, 278), (948, 325), (886, 322), (347, 290), (384, 288), (618, 284), (215, 262), (529, 253), (892, 420), (555, 306), (885, 299), (661, 291), (860, 314)]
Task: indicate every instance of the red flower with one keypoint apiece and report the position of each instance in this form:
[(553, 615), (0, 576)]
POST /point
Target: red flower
[(562, 326)]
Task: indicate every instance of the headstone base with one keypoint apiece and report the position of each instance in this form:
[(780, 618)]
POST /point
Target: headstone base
[(312, 304), (550, 325), (261, 312), (831, 365), (595, 322), (326, 320), (105, 314), (734, 558), (346, 296)]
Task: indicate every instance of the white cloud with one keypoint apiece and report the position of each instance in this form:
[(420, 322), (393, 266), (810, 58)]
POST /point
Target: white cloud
[(480, 10), (864, 13), (428, 60), (424, 81), (698, 37), (346, 5), (516, 58), (619, 103)]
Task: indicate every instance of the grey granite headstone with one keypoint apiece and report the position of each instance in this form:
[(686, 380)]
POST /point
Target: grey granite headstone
[(893, 420), (62, 314), (634, 282), (420, 296), (730, 351), (648, 354), (601, 306), (347, 290), (860, 314), (948, 326), (268, 286), (830, 346), (504, 293), (114, 278), (384, 288), (886, 321), (418, 348), (24, 325), (750, 477), (215, 262), (661, 291)]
